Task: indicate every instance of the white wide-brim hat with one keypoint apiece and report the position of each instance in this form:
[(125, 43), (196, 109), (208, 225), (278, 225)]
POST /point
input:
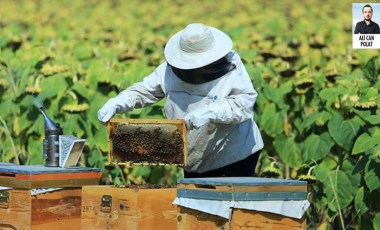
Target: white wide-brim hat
[(196, 46)]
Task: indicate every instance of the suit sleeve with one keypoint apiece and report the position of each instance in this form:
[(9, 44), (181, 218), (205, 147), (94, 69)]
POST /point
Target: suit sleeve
[(238, 106), (144, 93)]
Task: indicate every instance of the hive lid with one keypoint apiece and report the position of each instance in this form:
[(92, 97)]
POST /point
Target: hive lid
[(240, 181), (39, 176), (40, 169), (241, 189)]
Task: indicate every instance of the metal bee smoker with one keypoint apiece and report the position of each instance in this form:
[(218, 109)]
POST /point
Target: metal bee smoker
[(51, 141), (59, 150)]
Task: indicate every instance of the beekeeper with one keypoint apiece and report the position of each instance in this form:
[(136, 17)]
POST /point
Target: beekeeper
[(206, 84)]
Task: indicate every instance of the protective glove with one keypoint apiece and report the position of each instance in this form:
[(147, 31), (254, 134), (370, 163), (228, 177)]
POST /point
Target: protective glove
[(217, 111), (108, 110), (198, 118)]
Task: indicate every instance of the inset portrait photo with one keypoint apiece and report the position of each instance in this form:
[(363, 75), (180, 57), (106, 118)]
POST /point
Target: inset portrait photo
[(365, 25)]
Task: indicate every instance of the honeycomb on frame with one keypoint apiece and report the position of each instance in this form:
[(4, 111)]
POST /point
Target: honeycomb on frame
[(147, 142)]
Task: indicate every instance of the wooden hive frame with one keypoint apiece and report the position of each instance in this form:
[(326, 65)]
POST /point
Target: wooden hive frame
[(166, 127)]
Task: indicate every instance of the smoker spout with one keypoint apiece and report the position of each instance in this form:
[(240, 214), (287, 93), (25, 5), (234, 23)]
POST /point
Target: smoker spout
[(50, 126)]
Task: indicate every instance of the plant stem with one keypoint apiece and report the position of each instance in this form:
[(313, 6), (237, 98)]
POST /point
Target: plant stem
[(10, 139), (336, 197), (122, 175), (287, 171), (11, 79)]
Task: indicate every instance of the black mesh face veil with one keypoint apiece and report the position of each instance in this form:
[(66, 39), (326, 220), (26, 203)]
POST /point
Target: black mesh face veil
[(206, 73)]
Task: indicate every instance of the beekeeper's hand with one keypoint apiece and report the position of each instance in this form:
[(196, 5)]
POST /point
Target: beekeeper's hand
[(198, 118), (217, 112), (109, 109)]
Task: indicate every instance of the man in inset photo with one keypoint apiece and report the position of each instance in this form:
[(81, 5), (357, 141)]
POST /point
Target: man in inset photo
[(367, 26)]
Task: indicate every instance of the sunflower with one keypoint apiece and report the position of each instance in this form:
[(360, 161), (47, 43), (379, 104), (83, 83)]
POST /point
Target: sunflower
[(52, 69), (75, 108)]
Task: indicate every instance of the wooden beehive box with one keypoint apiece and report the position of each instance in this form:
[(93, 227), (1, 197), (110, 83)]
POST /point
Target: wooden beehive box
[(147, 142), (109, 207), (20, 209), (239, 189), (38, 197)]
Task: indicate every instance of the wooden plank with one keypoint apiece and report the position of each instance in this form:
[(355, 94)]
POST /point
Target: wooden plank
[(131, 208), (122, 214), (59, 209), (52, 210), (58, 176), (155, 208), (178, 122), (249, 219), (18, 213), (14, 183), (193, 220)]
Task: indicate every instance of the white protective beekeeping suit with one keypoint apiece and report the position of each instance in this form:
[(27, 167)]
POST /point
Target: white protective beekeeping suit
[(218, 113)]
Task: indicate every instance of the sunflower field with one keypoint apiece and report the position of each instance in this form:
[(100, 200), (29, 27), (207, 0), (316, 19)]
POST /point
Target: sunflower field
[(318, 105)]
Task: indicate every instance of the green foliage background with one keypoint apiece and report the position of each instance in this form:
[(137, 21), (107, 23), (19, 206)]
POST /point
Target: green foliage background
[(318, 105)]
